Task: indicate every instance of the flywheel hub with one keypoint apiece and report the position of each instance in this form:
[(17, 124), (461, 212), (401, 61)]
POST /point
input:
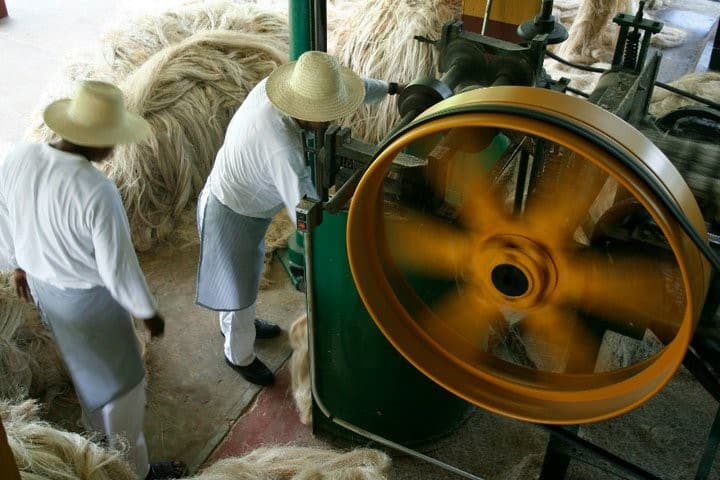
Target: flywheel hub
[(513, 271)]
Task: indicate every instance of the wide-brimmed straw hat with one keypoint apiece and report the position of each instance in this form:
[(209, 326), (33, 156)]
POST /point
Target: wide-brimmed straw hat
[(315, 88), (95, 117)]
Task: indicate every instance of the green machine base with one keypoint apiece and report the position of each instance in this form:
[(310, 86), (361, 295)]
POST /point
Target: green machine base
[(359, 377), (292, 260)]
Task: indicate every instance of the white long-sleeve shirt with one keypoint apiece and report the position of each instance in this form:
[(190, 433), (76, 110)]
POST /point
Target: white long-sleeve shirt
[(261, 166), (63, 222)]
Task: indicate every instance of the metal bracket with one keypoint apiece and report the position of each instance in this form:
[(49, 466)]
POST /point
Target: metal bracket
[(308, 214)]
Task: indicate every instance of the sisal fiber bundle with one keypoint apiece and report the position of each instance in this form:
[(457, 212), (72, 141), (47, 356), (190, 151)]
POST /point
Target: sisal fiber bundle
[(300, 369), (376, 41), (188, 93), (592, 37), (702, 84), (135, 41), (186, 72), (43, 452), (15, 371), (593, 34), (301, 463), (30, 363), (565, 11)]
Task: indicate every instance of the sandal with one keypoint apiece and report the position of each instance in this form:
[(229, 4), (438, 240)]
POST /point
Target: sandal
[(164, 470)]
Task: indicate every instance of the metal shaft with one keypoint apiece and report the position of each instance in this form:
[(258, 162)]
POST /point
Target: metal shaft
[(486, 17), (319, 25)]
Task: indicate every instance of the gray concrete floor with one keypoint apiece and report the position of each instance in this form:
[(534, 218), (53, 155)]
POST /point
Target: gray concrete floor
[(195, 399)]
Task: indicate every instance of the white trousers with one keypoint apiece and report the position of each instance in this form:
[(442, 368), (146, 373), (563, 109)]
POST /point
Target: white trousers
[(124, 417), (237, 326), (239, 329)]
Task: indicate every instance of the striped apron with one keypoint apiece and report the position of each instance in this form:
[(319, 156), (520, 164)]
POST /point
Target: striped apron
[(96, 338), (232, 250)]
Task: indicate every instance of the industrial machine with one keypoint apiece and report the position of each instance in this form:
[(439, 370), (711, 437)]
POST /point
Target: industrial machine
[(500, 235)]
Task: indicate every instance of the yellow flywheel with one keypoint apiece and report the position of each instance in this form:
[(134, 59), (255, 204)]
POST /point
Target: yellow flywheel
[(532, 274)]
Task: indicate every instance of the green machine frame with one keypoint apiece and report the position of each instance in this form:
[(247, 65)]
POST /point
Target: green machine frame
[(362, 387)]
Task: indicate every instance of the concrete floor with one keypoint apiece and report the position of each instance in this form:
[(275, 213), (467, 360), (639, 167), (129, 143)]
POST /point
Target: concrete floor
[(200, 410)]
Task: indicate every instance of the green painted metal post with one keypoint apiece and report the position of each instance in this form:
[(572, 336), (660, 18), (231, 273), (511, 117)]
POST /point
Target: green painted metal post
[(293, 259), (300, 34)]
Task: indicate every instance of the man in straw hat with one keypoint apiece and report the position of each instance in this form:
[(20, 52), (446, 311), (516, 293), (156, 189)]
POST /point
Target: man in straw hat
[(64, 229), (260, 169)]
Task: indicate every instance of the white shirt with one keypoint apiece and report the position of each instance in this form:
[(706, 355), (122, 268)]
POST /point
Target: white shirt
[(63, 222), (261, 167)]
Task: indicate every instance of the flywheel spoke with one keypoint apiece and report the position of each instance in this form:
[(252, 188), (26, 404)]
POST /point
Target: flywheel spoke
[(463, 312), (564, 191), (560, 340), (482, 208), (424, 244), (634, 289), (455, 168)]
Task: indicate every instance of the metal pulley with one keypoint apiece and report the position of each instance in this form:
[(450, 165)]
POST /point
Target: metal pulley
[(535, 260)]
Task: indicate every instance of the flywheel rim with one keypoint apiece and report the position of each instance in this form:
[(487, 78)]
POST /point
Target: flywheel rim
[(567, 400)]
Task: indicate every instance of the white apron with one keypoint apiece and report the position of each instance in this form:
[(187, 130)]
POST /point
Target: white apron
[(232, 250), (96, 339)]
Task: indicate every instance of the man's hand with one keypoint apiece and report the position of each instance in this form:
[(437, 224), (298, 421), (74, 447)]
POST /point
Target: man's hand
[(156, 326), (21, 285)]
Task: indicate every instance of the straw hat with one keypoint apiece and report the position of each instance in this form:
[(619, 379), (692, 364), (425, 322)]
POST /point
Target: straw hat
[(96, 117), (315, 88)]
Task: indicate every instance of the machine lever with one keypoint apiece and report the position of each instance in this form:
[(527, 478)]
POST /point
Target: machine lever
[(424, 39), (344, 193)]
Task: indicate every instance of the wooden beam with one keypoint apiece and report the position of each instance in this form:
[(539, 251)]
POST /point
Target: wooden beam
[(513, 12), (8, 467)]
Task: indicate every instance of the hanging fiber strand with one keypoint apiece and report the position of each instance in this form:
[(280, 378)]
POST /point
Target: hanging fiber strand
[(376, 41), (276, 237), (300, 369)]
